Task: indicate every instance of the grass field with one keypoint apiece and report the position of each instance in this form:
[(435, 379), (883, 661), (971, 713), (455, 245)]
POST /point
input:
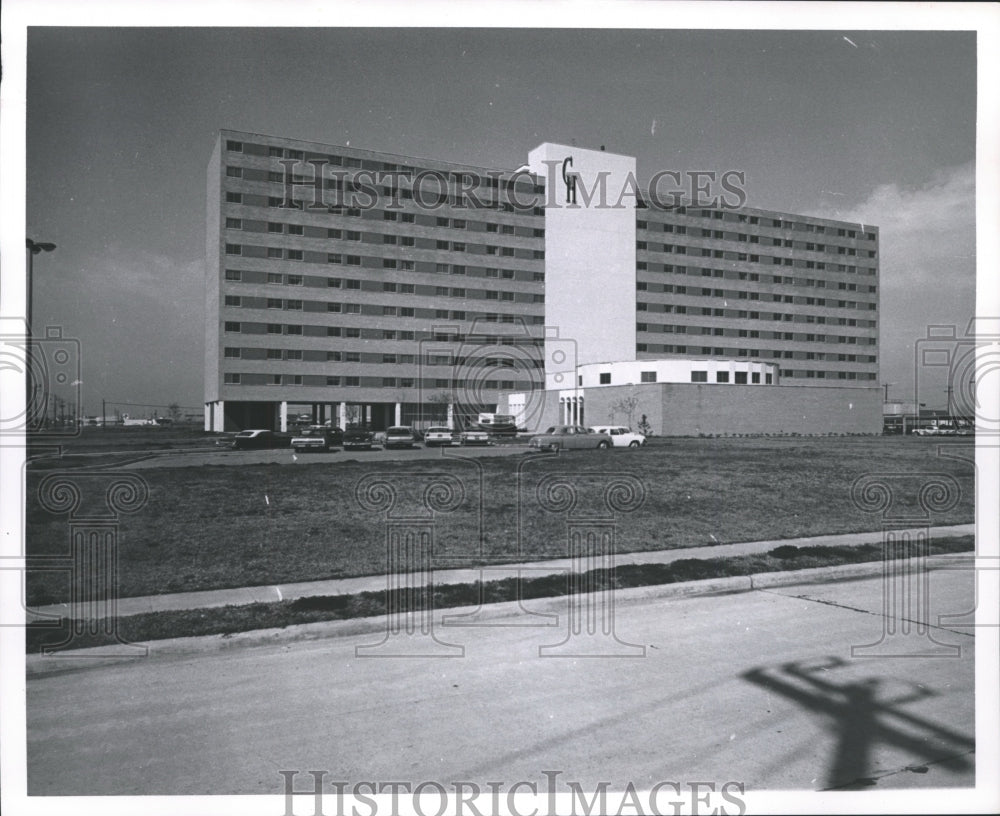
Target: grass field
[(246, 618), (213, 527)]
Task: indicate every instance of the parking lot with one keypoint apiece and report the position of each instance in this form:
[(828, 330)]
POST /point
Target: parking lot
[(284, 456)]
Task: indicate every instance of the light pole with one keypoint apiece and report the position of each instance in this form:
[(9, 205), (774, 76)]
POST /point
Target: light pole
[(34, 248)]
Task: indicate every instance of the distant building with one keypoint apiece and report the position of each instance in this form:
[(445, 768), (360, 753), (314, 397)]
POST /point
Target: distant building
[(384, 289)]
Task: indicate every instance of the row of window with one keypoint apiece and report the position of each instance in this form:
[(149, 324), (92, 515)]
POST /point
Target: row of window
[(460, 292), (668, 328), (762, 297), (315, 256), (763, 221), (297, 329), (750, 334), (740, 274), (431, 359), (735, 255), (740, 377), (716, 351), (279, 278), (314, 231), (349, 381), (732, 274), (493, 180), (742, 314), (340, 207)]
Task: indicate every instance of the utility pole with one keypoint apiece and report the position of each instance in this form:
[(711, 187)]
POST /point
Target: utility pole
[(886, 387)]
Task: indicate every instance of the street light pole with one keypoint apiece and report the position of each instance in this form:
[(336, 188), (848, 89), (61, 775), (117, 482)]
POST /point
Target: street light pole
[(34, 248)]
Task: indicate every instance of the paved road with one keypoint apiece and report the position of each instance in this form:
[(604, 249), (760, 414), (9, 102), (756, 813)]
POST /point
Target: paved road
[(758, 687)]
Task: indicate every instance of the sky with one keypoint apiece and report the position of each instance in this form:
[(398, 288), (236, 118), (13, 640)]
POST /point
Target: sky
[(871, 126)]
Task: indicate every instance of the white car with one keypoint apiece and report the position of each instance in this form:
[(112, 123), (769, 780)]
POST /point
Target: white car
[(474, 437), (621, 436), (438, 436)]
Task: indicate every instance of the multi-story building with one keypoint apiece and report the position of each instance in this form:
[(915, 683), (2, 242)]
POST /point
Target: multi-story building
[(386, 289), (371, 295)]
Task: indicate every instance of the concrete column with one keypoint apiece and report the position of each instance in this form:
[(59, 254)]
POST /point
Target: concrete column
[(215, 416), (322, 413), (283, 416), (580, 412), (399, 414), (342, 415), (451, 415)]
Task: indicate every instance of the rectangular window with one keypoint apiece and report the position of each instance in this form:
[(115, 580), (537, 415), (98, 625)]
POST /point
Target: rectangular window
[(699, 376), (232, 353), (232, 326), (234, 275), (234, 249), (234, 223), (605, 378), (647, 376), (741, 378), (234, 147), (232, 300), (234, 198)]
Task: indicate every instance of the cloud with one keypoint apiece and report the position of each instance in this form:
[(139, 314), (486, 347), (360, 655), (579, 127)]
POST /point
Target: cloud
[(927, 248)]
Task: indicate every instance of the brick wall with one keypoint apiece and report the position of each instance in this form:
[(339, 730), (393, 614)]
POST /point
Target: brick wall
[(688, 409)]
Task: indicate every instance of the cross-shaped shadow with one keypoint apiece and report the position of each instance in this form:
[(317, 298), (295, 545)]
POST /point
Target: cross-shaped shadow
[(860, 719)]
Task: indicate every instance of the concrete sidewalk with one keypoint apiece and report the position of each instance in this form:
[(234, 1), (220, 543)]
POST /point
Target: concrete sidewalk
[(533, 569)]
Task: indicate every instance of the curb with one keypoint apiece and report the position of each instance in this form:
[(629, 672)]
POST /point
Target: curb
[(487, 615)]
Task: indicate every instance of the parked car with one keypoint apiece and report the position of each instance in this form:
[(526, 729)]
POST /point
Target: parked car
[(358, 439), (399, 436), (317, 438), (438, 435), (621, 436), (257, 438), (474, 437), (570, 437)]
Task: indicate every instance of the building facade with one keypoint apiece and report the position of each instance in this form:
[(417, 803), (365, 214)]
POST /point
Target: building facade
[(382, 289)]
